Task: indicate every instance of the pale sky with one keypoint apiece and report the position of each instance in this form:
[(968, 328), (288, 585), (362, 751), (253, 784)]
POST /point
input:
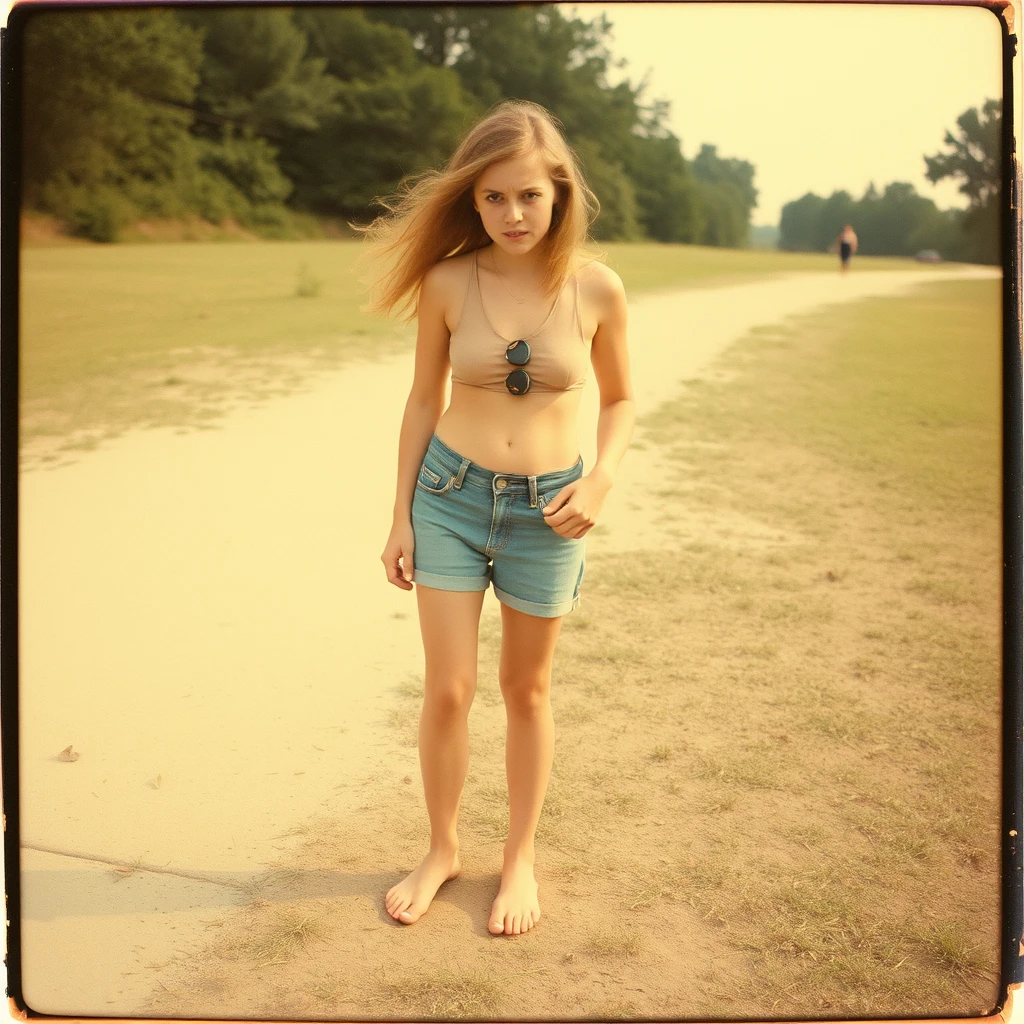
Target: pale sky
[(819, 97)]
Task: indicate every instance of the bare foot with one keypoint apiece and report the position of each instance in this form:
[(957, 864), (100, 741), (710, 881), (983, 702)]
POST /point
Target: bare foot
[(408, 901), (516, 909)]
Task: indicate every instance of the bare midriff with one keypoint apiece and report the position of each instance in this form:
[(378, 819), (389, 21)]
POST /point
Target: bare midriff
[(525, 435)]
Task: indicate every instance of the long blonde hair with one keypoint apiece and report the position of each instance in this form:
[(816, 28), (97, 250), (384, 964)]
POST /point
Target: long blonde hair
[(432, 216)]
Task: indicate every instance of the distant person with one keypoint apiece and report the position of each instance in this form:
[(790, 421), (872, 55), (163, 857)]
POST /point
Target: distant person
[(847, 246), (490, 254)]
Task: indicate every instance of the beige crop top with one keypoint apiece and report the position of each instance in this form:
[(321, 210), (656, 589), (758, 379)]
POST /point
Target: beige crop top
[(559, 354)]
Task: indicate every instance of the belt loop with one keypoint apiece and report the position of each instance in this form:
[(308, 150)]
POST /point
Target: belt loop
[(533, 491), (462, 474)]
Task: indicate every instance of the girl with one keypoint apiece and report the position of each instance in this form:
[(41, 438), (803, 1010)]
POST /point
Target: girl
[(488, 254)]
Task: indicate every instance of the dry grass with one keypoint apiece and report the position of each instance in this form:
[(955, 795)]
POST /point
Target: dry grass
[(277, 937), (444, 996), (613, 943)]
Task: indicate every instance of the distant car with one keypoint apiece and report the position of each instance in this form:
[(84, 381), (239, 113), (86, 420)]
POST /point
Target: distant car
[(928, 256)]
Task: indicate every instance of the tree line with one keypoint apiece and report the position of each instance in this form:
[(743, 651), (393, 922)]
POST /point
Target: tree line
[(259, 113), (898, 221)]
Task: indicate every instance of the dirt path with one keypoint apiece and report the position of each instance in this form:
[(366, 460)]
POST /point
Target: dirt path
[(205, 619)]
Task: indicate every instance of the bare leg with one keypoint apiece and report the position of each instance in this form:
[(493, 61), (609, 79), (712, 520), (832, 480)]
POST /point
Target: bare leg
[(527, 650), (449, 624)]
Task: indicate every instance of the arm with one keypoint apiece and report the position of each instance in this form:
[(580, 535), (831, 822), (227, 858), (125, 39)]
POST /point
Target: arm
[(574, 510), (610, 359), (422, 411)]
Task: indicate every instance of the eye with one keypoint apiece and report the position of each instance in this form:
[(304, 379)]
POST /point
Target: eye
[(494, 196)]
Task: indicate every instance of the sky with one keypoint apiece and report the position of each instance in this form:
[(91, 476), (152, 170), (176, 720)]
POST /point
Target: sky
[(819, 97)]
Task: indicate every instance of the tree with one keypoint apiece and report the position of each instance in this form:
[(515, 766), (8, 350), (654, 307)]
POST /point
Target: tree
[(106, 96), (974, 157), (256, 75), (617, 220), (395, 114), (727, 194), (798, 225)]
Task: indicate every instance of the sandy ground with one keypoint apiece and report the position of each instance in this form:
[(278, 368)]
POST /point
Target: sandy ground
[(205, 618)]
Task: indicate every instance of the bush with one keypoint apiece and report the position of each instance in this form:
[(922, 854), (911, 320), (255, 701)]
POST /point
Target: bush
[(95, 213)]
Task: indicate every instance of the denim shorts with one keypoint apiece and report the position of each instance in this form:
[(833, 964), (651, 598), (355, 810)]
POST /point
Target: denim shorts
[(472, 526)]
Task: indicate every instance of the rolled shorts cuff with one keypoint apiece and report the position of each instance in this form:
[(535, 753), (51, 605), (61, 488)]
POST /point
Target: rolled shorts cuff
[(462, 584), (545, 611)]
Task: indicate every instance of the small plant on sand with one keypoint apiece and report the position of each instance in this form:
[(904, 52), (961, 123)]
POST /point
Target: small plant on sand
[(122, 871), (308, 286)]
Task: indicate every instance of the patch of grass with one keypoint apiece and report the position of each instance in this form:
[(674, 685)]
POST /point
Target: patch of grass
[(941, 591), (411, 688), (717, 803), (445, 995), (574, 713), (613, 944), (329, 990), (843, 726), (309, 285), (901, 839), (952, 948), (626, 803), (277, 938), (750, 770), (403, 725)]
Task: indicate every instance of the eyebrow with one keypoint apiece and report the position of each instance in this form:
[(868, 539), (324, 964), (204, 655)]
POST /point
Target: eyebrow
[(528, 188)]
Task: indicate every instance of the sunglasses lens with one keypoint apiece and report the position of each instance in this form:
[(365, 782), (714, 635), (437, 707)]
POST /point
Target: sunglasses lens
[(518, 382), (518, 353)]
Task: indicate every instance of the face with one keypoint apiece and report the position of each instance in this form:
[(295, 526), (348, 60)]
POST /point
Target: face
[(514, 199)]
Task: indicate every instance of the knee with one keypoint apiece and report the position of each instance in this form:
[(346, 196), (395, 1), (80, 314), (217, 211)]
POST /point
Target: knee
[(525, 693), (449, 698)]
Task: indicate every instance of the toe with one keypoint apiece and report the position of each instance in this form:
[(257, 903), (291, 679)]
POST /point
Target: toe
[(495, 926)]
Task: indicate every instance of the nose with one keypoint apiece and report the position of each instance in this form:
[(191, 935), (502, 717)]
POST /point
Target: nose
[(513, 212)]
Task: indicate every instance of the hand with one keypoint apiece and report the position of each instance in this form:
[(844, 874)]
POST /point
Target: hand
[(573, 511), (397, 557)]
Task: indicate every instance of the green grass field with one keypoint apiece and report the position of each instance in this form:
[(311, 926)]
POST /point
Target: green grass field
[(118, 336)]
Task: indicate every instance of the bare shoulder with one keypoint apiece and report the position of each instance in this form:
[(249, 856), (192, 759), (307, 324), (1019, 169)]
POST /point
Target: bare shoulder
[(444, 286), (601, 287)]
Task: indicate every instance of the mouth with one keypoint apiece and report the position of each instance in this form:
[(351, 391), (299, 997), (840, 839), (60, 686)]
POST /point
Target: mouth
[(515, 234)]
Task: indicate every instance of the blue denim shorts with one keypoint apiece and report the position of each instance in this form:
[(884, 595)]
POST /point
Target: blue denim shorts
[(472, 526)]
